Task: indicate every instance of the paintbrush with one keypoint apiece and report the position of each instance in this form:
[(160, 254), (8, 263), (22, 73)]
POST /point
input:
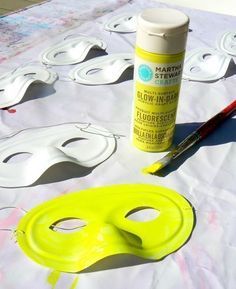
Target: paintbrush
[(203, 131)]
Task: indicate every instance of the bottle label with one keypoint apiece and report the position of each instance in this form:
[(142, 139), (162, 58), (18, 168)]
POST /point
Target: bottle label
[(157, 84)]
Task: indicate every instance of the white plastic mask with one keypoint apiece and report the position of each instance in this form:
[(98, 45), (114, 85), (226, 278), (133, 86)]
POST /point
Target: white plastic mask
[(71, 51), (227, 42), (122, 23), (102, 70), (82, 144), (14, 84), (205, 65)]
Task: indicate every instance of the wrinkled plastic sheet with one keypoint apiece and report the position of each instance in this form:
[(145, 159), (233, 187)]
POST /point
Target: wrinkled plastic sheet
[(205, 175)]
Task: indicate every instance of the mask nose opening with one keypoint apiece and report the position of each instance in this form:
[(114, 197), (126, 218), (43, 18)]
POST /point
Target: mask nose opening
[(68, 225), (142, 214), (132, 239)]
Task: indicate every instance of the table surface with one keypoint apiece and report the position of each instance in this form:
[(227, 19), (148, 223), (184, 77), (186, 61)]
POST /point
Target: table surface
[(205, 175)]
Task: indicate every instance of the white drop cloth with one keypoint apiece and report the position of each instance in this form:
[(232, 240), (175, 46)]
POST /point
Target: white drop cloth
[(205, 175)]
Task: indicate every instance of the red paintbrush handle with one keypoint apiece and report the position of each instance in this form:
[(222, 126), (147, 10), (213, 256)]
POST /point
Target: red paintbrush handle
[(215, 121)]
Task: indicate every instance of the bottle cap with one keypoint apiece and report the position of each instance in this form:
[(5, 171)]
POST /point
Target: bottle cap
[(162, 30)]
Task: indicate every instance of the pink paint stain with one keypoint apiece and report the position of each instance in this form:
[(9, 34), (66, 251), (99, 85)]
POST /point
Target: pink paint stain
[(64, 192), (7, 223), (212, 218), (11, 219), (182, 264), (2, 59), (180, 260), (199, 254), (10, 110)]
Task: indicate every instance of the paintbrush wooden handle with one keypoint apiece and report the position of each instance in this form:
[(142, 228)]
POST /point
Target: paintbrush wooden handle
[(216, 120), (204, 130)]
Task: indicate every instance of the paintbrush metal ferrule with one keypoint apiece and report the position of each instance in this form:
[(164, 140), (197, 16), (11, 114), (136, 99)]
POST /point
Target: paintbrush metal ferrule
[(185, 144)]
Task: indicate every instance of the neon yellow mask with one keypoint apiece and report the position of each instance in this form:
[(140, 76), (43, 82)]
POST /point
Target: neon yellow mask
[(108, 230)]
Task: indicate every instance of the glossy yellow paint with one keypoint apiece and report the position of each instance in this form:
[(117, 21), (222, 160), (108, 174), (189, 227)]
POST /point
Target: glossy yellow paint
[(53, 278), (108, 231), (153, 168)]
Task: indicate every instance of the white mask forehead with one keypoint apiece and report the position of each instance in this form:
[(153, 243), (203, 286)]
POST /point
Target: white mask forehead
[(205, 65), (82, 144), (14, 84), (71, 51), (123, 23), (227, 42), (102, 70)]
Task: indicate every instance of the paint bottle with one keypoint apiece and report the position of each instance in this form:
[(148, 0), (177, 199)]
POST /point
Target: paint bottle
[(159, 55)]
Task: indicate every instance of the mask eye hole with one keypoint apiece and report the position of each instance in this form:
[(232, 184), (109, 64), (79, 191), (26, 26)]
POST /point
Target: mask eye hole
[(206, 56), (93, 71), (60, 54), (73, 142), (17, 157), (142, 214), (195, 69), (30, 74), (68, 225)]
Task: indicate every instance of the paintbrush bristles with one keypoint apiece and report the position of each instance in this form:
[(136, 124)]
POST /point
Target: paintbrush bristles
[(155, 167), (152, 169)]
